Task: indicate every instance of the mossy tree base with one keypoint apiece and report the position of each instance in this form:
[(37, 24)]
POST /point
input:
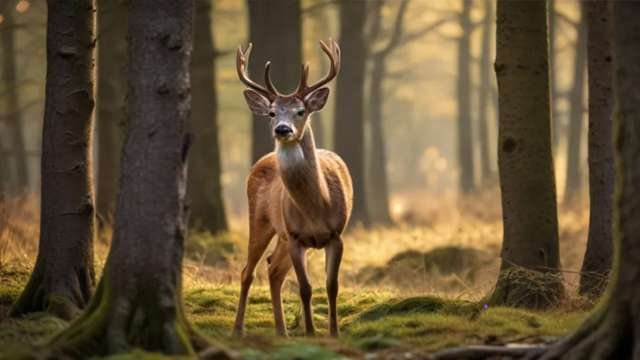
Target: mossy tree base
[(529, 289), (63, 296), (117, 322)]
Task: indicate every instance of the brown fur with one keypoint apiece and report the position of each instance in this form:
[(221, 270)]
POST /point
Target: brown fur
[(302, 195)]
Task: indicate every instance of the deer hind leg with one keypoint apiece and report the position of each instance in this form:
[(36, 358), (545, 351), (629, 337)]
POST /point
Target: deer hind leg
[(279, 266), (333, 256), (259, 238), (298, 258)]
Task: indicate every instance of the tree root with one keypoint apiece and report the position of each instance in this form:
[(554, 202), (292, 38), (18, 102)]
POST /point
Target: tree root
[(66, 304), (114, 325)]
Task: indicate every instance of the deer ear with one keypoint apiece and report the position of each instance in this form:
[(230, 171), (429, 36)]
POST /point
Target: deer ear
[(258, 104), (316, 100)]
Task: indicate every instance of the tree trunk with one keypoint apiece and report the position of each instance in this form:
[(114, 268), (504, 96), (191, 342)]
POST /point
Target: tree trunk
[(378, 187), (597, 259), (275, 31), (63, 278), (204, 187), (349, 110), (612, 331), (138, 302), (486, 167), (13, 116), (319, 20), (528, 274), (463, 88), (112, 91), (556, 129), (573, 183)]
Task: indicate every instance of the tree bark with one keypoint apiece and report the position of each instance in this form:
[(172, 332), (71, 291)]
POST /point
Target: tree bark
[(110, 119), (276, 32), (556, 129), (349, 110), (138, 302), (597, 258), (464, 129), (204, 188), (13, 116), (573, 183), (486, 164), (63, 278), (530, 259), (612, 331)]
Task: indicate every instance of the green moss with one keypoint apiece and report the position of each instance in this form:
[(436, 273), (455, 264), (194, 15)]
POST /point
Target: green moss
[(31, 329), (423, 304), (370, 320)]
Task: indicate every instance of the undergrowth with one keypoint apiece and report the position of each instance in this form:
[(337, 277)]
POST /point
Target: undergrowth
[(383, 308)]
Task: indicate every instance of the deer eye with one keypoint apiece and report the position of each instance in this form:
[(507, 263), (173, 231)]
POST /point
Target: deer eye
[(301, 112), (272, 114)]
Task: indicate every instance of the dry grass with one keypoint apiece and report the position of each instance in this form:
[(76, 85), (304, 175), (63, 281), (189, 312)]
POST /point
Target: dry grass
[(391, 312), (422, 225)]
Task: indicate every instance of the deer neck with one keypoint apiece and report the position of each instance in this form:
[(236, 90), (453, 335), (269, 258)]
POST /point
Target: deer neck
[(302, 176)]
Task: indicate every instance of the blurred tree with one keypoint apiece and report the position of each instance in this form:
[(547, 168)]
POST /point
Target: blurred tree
[(63, 278), (12, 114), (349, 110), (138, 301), (486, 168), (573, 183), (204, 189), (319, 21), (597, 259), (463, 91), (530, 254), (611, 331), (377, 184), (553, 71), (5, 177), (276, 32), (111, 94)]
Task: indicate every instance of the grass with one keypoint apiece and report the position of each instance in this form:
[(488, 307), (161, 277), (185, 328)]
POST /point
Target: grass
[(433, 276), (371, 321)]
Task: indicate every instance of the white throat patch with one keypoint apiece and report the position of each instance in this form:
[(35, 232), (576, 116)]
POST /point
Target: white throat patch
[(289, 155)]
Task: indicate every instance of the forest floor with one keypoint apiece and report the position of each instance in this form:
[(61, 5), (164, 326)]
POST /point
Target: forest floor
[(407, 290)]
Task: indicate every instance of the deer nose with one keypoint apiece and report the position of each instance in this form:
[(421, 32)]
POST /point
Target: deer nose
[(282, 130)]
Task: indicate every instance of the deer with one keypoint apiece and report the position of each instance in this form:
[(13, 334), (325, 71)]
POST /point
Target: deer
[(298, 194)]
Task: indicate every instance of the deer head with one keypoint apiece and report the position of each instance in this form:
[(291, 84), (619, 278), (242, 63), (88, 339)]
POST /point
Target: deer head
[(289, 114)]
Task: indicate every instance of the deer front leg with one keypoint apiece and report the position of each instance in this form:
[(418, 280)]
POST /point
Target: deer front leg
[(333, 257), (298, 259)]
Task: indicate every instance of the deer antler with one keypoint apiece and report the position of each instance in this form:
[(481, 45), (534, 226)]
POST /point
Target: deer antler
[(242, 60), (333, 52)]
